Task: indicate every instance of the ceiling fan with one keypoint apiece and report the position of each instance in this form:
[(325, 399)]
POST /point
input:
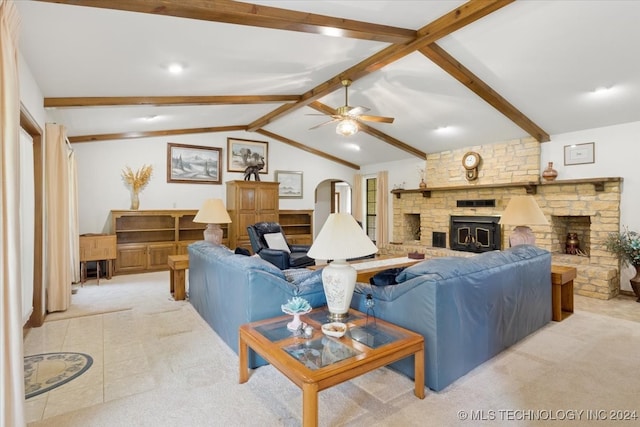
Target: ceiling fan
[(348, 117)]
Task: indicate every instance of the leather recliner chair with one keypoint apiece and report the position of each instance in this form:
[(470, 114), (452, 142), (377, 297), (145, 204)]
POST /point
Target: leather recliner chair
[(296, 258)]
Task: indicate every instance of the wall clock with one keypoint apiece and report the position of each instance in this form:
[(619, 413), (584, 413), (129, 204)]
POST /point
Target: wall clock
[(471, 161)]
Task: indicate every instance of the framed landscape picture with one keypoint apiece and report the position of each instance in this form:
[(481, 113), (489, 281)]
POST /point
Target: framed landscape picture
[(193, 164), (290, 184), (242, 153)]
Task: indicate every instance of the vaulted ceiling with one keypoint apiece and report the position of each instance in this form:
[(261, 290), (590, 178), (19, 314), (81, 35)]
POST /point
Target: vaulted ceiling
[(451, 73)]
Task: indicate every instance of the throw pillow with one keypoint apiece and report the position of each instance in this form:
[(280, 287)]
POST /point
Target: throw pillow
[(242, 251), (386, 277), (276, 241)]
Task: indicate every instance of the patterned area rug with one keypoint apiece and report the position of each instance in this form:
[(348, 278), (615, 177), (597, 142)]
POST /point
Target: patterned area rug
[(44, 372)]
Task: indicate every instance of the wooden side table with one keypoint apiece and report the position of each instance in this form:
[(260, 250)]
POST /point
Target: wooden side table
[(562, 291), (177, 266), (97, 247)]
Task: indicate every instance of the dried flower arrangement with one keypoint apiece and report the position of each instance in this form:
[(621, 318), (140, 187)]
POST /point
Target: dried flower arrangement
[(138, 180)]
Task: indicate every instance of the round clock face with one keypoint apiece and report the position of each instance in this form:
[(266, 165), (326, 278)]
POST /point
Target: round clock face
[(470, 160)]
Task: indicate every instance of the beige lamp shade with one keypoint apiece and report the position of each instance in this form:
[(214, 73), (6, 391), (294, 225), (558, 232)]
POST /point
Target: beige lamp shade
[(212, 212), (341, 238), (523, 210)]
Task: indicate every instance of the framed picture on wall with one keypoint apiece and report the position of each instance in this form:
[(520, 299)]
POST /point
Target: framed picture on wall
[(193, 164), (290, 184), (578, 154), (242, 153)]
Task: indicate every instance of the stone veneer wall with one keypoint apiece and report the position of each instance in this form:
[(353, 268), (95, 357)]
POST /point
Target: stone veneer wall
[(599, 206)]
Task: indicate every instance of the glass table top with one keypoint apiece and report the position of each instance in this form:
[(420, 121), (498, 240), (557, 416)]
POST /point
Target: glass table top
[(320, 352)]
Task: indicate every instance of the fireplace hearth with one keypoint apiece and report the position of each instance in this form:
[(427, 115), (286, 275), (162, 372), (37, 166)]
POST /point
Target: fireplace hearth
[(474, 233)]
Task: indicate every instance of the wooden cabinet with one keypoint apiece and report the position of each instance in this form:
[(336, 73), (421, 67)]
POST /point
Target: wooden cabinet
[(249, 202), (146, 238), (297, 226)]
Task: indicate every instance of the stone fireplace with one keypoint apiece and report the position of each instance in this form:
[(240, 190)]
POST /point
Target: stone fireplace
[(588, 207)]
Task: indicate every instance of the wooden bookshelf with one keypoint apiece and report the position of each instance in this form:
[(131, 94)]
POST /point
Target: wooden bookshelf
[(145, 238), (297, 226)]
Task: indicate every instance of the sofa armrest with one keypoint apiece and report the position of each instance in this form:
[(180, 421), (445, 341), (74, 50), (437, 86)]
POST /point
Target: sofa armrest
[(276, 257), (300, 248)]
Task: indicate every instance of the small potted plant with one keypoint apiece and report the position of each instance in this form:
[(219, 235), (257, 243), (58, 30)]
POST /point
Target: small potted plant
[(626, 246)]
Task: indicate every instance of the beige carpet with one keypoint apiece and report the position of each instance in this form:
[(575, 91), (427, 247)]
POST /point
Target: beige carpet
[(580, 368)]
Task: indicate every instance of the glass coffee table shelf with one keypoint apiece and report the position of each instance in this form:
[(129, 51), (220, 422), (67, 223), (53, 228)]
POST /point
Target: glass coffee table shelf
[(318, 362)]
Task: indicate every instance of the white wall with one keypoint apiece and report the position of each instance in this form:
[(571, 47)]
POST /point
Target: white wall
[(101, 188)]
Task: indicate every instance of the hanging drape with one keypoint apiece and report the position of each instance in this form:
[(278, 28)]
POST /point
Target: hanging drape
[(382, 209), (59, 275), (11, 352), (356, 195), (74, 227)]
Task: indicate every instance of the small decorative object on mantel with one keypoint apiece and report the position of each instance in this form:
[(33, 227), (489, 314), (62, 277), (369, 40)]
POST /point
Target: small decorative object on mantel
[(550, 174), (136, 182), (415, 255), (422, 184), (625, 245), (296, 307)]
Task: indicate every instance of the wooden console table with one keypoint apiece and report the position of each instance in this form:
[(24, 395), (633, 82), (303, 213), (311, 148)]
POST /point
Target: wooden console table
[(562, 291), (177, 266)]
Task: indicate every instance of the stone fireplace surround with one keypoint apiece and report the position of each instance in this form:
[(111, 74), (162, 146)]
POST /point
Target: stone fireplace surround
[(588, 207)]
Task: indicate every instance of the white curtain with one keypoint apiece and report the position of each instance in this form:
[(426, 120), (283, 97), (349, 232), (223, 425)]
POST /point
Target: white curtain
[(59, 272), (382, 209), (74, 227), (11, 351)]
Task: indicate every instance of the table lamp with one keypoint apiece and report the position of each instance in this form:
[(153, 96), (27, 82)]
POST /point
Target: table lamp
[(523, 211), (341, 238), (213, 213)]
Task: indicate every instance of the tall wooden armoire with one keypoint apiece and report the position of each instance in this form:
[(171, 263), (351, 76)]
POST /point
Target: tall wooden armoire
[(249, 202)]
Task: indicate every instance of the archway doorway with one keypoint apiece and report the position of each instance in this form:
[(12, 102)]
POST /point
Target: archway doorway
[(332, 195)]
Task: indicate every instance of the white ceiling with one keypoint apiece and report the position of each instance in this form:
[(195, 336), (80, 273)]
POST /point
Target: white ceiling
[(544, 57)]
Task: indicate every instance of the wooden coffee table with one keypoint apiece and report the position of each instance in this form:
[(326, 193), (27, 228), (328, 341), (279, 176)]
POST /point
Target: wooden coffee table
[(317, 363)]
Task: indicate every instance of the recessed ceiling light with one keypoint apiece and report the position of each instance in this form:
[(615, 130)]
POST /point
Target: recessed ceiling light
[(445, 130), (353, 146), (175, 68), (604, 91), (150, 118)]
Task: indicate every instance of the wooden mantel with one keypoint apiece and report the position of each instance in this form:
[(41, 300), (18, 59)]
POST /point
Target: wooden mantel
[(530, 187)]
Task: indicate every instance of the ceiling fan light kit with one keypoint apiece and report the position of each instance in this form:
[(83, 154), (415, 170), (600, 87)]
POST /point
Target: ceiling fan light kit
[(347, 127), (348, 117)]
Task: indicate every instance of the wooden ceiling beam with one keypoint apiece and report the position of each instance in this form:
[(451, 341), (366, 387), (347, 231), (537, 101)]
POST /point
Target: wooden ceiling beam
[(255, 15), (448, 23), (323, 108), (104, 101), (448, 63), (306, 148), (150, 134)]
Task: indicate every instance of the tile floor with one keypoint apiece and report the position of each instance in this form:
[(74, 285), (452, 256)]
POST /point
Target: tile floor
[(141, 337)]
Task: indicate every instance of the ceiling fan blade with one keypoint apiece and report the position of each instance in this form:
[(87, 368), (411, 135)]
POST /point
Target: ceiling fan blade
[(322, 124), (377, 119)]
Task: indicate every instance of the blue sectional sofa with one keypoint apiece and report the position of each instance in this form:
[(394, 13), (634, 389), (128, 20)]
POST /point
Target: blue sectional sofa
[(467, 309), (229, 289)]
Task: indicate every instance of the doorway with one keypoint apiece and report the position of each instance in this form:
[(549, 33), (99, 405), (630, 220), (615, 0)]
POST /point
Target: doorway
[(332, 196)]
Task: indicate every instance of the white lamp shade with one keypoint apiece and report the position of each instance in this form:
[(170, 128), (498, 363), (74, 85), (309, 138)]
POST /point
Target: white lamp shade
[(212, 212), (523, 210), (341, 238)]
